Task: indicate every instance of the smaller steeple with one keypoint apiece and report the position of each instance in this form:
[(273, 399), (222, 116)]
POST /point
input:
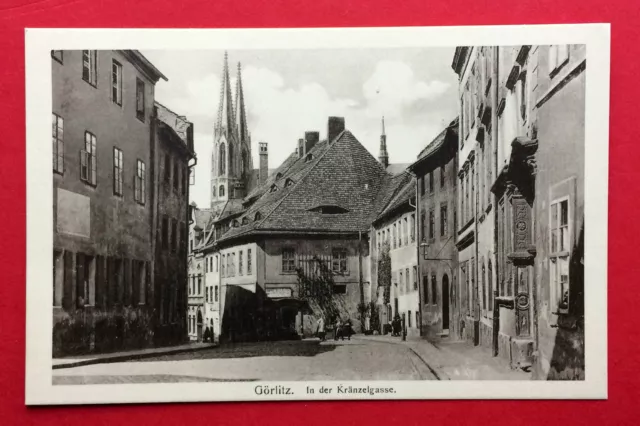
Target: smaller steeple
[(241, 116), (225, 122), (383, 157)]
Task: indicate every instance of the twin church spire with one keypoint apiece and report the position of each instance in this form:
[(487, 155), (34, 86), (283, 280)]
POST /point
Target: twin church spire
[(231, 120)]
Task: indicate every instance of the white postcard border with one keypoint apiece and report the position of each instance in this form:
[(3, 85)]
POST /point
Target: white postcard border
[(38, 374)]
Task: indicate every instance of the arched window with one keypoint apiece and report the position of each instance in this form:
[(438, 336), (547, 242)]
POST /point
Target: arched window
[(231, 159), (245, 220), (245, 162), (222, 162), (434, 290), (490, 280), (258, 216), (221, 191), (288, 182), (214, 192), (273, 188), (278, 175)]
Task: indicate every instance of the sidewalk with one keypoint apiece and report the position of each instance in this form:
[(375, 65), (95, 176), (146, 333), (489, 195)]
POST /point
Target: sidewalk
[(77, 361), (457, 360)]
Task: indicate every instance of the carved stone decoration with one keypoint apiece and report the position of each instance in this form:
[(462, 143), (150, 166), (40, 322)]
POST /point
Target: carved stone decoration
[(522, 219)]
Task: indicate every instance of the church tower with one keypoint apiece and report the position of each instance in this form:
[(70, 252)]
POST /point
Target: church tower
[(383, 157), (231, 164)]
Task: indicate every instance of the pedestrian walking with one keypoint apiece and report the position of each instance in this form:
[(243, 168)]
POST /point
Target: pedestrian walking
[(338, 330), (321, 331)]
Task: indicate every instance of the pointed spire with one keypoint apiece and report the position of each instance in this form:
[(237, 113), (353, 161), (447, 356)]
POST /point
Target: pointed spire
[(225, 121), (241, 116), (383, 157)]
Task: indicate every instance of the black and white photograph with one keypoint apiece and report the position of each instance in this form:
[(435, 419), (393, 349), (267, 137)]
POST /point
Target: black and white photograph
[(317, 214)]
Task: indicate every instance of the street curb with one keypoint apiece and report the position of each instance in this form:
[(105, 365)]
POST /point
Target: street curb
[(438, 373), (130, 357)]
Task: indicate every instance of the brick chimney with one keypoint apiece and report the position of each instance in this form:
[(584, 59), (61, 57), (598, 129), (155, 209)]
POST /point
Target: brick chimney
[(334, 128), (300, 148), (310, 140), (264, 163)]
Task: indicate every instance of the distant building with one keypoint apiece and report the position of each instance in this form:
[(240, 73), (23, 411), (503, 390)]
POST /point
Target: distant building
[(199, 222), (173, 150), (105, 167), (436, 174), (395, 227)]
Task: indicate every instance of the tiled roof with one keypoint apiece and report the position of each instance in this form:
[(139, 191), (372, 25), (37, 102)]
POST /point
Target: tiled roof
[(398, 168), (436, 143), (402, 189), (202, 216), (342, 175)]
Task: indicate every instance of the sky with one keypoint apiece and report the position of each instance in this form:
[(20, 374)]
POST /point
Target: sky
[(288, 92)]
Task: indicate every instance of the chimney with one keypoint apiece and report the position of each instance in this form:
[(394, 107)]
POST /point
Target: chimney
[(264, 163), (301, 148), (310, 140), (334, 128)]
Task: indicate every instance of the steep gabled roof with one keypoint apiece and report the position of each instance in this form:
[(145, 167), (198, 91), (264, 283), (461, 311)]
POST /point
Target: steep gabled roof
[(341, 176), (399, 192)]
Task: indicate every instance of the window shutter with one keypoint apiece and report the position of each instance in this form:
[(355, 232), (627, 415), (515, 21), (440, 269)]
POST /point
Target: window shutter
[(84, 169)]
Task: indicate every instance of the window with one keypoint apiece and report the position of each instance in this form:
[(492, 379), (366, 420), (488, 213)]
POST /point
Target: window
[(339, 289), (432, 224), (57, 55), (443, 179), (88, 161), (288, 260), (395, 235), (462, 206), (413, 227), (89, 69), (431, 181), (425, 289), (58, 277), (174, 236), (222, 160), (444, 226), (524, 95), (216, 262), (206, 296), (249, 260), (484, 288), (273, 188), (559, 255), (222, 265), (401, 280), (117, 171), (406, 232), (423, 230), (490, 283), (140, 103), (258, 216), (176, 175), (240, 265), (339, 260), (407, 278), (415, 277), (140, 184), (232, 268), (57, 137), (221, 191), (417, 318), (399, 233), (116, 82), (215, 293), (558, 56), (199, 286), (85, 276), (434, 290), (409, 319)]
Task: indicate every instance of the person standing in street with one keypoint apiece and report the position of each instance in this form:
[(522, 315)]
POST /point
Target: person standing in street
[(321, 331)]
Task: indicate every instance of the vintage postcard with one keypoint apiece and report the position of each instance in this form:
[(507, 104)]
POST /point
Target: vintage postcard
[(300, 214)]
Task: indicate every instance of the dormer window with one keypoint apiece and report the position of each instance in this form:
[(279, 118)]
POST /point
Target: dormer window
[(308, 158), (258, 216), (245, 220), (278, 175), (329, 209), (273, 188), (235, 223), (288, 183)]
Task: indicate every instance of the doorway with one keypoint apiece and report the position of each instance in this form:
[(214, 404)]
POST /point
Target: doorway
[(199, 325), (445, 302)]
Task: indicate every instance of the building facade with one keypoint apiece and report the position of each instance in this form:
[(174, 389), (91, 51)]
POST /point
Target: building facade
[(103, 110), (439, 291), (522, 138)]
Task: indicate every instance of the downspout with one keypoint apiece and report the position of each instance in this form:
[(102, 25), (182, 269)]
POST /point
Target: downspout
[(495, 137), (419, 266)]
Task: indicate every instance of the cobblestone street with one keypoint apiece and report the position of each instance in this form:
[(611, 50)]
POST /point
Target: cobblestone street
[(357, 359)]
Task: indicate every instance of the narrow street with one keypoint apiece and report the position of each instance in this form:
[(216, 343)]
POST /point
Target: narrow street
[(357, 359)]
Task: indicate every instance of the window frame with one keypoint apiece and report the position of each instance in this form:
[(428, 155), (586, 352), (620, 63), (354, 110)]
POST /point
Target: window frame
[(88, 155), (290, 266), (339, 263), (140, 183), (92, 67), (116, 82), (58, 143), (118, 172), (432, 224), (444, 220), (559, 259), (141, 107)]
